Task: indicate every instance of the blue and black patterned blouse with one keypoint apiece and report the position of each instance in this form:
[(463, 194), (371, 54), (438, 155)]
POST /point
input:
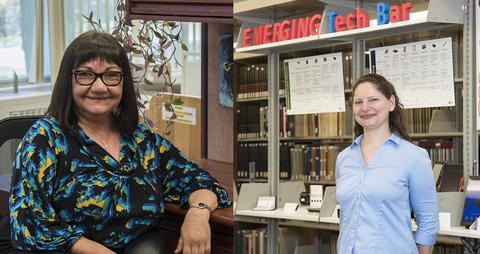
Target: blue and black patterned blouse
[(66, 186)]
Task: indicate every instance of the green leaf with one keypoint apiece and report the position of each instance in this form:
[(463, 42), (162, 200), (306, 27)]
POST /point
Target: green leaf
[(166, 45), (148, 82), (184, 47), (159, 35), (177, 101), (150, 58)]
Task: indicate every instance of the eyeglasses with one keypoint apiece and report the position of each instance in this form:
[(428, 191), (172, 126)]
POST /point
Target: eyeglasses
[(87, 78)]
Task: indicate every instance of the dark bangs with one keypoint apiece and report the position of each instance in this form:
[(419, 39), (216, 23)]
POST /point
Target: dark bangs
[(99, 47)]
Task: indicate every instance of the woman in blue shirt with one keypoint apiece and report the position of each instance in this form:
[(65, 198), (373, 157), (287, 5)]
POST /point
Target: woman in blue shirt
[(381, 177)]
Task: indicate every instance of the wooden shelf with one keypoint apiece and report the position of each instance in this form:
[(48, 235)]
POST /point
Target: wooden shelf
[(219, 11), (248, 219), (243, 180), (436, 135), (264, 98), (322, 182), (260, 98), (326, 139), (242, 56)]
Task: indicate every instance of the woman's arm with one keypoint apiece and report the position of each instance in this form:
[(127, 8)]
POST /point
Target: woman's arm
[(424, 249), (423, 197), (195, 235), (184, 182), (181, 177), (86, 246), (34, 221)]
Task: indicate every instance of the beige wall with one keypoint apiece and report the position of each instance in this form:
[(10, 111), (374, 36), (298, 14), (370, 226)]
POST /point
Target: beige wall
[(220, 118)]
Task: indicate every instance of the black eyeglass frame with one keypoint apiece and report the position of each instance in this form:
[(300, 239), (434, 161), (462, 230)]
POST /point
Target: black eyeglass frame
[(97, 75)]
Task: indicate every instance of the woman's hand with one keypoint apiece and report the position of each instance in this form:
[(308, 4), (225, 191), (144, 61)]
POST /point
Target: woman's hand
[(86, 246), (195, 235), (424, 249)]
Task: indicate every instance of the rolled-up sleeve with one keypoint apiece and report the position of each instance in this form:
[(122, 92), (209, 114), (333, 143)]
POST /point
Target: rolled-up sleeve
[(34, 222), (180, 176), (423, 198)]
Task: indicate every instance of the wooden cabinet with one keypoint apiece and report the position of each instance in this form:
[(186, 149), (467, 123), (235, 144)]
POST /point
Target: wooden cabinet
[(205, 11)]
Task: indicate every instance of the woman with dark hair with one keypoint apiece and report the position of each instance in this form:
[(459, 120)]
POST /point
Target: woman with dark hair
[(88, 178), (381, 177)]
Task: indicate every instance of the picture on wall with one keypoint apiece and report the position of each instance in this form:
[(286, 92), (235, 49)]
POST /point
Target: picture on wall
[(226, 70)]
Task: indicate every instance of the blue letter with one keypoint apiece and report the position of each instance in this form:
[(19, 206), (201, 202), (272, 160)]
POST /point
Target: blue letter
[(331, 21), (382, 13)]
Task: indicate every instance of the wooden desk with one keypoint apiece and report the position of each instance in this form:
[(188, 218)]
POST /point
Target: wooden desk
[(221, 221)]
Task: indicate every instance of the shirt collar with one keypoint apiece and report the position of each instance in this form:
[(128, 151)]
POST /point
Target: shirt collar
[(394, 138)]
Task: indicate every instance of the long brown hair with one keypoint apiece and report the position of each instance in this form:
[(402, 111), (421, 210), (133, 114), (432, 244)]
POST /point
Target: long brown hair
[(396, 118)]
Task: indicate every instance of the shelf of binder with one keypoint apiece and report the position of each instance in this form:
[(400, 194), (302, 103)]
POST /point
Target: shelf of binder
[(440, 13)]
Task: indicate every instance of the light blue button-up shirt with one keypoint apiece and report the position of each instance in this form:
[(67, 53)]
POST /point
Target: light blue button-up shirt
[(376, 201)]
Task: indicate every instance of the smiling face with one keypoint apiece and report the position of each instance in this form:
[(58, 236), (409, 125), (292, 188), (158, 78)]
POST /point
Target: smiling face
[(97, 100), (371, 108)]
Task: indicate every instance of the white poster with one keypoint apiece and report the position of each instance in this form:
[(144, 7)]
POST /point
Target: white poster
[(422, 72), (315, 84), (186, 115), (477, 27)]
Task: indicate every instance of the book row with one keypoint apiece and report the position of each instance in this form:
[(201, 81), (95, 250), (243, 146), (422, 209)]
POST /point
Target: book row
[(305, 162), (290, 240), (439, 151), (294, 240), (253, 81), (420, 120), (252, 241), (253, 123), (309, 162)]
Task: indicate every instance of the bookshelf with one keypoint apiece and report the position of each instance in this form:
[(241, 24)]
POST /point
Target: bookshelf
[(438, 18)]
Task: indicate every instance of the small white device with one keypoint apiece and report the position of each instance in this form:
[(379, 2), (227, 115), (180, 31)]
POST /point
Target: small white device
[(316, 196)]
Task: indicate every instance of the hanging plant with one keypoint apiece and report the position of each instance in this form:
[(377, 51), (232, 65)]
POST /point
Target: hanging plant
[(156, 42)]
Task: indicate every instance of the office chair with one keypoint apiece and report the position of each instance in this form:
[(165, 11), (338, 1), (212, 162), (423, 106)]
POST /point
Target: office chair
[(12, 130)]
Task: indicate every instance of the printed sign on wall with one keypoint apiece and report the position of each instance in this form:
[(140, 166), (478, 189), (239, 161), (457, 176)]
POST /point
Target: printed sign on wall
[(315, 84), (422, 72)]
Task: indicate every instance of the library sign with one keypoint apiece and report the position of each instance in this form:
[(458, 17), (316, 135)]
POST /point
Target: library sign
[(304, 27)]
